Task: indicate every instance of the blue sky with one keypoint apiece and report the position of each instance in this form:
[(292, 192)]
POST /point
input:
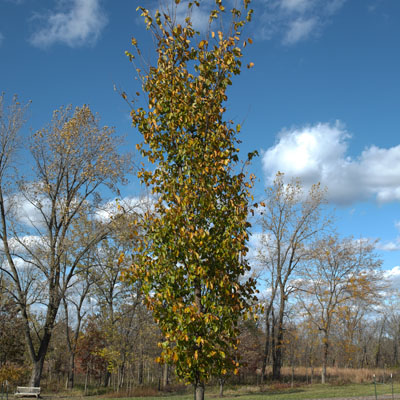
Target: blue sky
[(322, 102)]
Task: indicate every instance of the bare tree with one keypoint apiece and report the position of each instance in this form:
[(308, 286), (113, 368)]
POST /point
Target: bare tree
[(393, 317), (11, 335), (75, 298), (117, 300), (291, 219), (338, 273), (73, 158)]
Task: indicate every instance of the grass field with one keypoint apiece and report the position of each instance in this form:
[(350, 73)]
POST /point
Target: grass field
[(316, 391)]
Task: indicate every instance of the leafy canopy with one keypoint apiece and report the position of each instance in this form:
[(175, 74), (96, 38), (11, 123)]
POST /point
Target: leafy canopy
[(192, 260)]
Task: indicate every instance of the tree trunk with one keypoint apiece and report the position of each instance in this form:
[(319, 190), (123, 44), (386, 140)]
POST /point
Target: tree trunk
[(71, 371), (86, 380), (39, 357), (325, 358), (273, 337), (396, 351), (221, 387), (38, 361), (267, 343), (140, 371), (107, 378), (199, 385), (165, 376), (120, 377), (378, 348), (199, 391), (277, 359), (36, 374)]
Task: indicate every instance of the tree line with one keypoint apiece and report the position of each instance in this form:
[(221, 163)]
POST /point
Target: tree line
[(66, 311)]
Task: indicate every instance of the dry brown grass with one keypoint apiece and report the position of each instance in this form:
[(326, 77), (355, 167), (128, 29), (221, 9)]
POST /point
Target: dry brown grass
[(342, 375)]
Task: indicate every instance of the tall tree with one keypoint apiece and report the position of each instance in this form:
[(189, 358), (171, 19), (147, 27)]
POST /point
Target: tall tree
[(291, 220), (11, 327), (338, 272), (74, 301), (12, 119), (394, 327), (73, 157), (191, 261), (89, 350), (111, 293)]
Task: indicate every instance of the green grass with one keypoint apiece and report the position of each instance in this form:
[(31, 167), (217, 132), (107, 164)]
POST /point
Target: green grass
[(297, 393)]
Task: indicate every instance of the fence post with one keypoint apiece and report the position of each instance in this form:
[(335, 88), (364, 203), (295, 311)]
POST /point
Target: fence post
[(391, 380), (376, 394)]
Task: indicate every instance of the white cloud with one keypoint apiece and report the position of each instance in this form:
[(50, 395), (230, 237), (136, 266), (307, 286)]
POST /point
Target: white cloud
[(296, 5), (295, 20), (393, 245), (300, 29), (393, 276), (334, 6), (128, 204), (253, 245), (317, 153), (179, 12), (199, 15), (75, 23), (389, 246), (21, 248), (28, 212), (19, 245)]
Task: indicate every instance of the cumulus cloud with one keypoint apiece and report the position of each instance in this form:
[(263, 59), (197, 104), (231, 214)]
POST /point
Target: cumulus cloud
[(253, 245), (32, 242), (112, 208), (299, 29), (393, 276), (75, 23), (199, 16), (296, 5), (28, 213), (318, 153), (295, 20), (389, 246), (393, 245)]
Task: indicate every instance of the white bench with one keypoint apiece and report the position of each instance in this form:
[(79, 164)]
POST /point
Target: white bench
[(23, 391)]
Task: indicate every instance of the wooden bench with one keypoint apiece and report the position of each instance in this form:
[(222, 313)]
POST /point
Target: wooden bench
[(23, 391)]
